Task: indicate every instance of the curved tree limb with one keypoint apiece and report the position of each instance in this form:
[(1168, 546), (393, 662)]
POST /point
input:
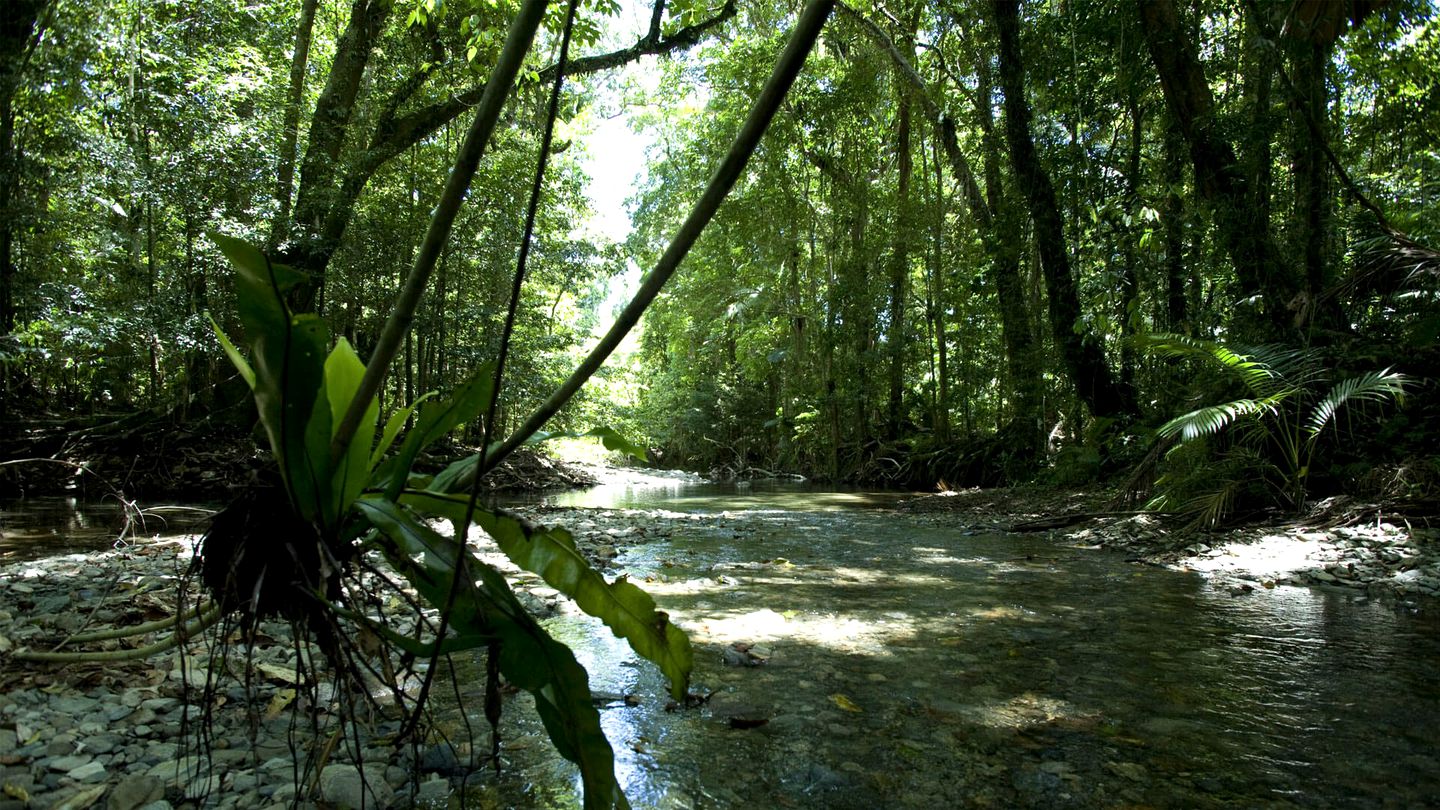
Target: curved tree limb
[(802, 39), (497, 90)]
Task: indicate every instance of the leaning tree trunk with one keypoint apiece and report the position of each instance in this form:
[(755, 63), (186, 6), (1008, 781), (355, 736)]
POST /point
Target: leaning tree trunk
[(1079, 350), (1219, 178), (17, 28), (290, 131)]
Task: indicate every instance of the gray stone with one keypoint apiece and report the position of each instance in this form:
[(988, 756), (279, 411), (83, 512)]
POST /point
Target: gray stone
[(433, 790), (74, 705), (135, 791), (100, 744), (243, 781), (157, 805), (177, 771), (343, 786), (89, 772), (160, 704), (69, 762)]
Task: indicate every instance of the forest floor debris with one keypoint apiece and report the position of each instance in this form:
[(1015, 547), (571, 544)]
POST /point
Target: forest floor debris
[(1381, 551)]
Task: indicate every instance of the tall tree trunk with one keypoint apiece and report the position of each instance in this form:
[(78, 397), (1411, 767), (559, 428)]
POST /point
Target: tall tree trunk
[(1129, 302), (1079, 350), (1024, 430), (937, 294), (1177, 315), (1219, 178), (992, 221), (290, 133), (18, 19), (899, 262), (1314, 200)]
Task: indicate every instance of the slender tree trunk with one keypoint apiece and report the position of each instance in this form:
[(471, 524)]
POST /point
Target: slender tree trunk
[(1177, 316), (1314, 198), (1079, 350), (1129, 313), (1219, 178), (18, 19), (290, 133), (942, 403), (1258, 159), (1022, 352), (899, 264)]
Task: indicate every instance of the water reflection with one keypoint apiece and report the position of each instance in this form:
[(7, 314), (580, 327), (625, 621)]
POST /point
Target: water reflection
[(33, 528), (693, 496), (915, 666)]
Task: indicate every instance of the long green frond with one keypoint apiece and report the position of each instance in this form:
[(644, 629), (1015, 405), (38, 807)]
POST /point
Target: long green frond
[(1374, 386)]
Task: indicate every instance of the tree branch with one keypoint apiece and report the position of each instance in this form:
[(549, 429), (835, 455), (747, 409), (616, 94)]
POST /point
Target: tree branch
[(802, 39)]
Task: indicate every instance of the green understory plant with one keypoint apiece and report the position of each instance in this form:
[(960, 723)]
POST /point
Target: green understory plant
[(1265, 442), (369, 500), (301, 551)]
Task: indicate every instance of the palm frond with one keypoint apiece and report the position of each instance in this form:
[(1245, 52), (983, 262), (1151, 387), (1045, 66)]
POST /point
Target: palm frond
[(1211, 420), (1389, 264), (1256, 371), (1374, 386), (1209, 509)]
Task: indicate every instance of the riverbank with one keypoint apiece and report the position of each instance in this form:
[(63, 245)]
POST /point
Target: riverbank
[(123, 735), (1368, 550)]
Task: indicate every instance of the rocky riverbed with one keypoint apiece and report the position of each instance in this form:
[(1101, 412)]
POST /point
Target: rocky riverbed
[(1365, 549), (127, 734)]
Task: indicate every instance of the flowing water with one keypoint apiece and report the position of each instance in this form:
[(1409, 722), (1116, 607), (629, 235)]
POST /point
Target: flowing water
[(911, 665)]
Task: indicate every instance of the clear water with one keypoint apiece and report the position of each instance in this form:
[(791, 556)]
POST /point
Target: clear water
[(32, 528), (913, 665)]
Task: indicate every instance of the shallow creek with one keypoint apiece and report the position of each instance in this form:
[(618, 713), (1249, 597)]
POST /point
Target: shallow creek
[(913, 665), (861, 658)]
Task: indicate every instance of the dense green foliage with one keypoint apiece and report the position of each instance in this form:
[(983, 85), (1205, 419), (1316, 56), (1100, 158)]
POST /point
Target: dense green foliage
[(937, 266), (856, 303)]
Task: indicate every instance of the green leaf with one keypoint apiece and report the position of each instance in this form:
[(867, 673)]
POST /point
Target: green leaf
[(236, 358), (437, 418), (287, 353), (1375, 386), (343, 372), (393, 426), (529, 657), (1215, 418), (624, 607), (609, 437)]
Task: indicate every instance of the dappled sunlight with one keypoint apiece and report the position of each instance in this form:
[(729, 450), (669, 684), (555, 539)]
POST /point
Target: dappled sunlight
[(1273, 556), (1021, 711), (836, 632)]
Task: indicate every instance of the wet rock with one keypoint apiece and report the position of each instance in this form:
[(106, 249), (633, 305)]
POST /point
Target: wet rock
[(345, 787), (89, 772), (135, 791)]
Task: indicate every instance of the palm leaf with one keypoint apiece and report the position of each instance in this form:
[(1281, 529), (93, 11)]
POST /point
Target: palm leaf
[(1258, 375), (1374, 386), (1213, 419)]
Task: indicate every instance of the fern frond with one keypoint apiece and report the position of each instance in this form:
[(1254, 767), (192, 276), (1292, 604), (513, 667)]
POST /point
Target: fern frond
[(1374, 386), (1211, 420)]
